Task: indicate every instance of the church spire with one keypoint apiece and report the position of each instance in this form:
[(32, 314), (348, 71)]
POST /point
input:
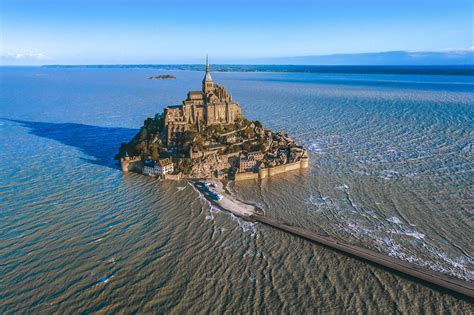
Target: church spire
[(207, 83)]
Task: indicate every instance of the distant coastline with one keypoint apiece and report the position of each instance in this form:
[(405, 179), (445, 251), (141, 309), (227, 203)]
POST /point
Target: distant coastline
[(350, 69)]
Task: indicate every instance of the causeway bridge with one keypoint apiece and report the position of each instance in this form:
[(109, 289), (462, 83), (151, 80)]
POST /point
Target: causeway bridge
[(442, 280)]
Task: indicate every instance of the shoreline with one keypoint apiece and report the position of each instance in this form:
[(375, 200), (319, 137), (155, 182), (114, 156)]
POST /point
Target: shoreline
[(226, 202), (449, 70)]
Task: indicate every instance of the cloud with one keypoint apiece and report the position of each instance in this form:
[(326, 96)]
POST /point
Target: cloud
[(465, 50), (23, 58), (18, 56)]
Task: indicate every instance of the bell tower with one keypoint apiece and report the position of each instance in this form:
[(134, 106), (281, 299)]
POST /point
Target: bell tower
[(207, 83)]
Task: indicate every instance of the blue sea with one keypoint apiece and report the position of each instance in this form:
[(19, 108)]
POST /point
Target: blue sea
[(391, 169)]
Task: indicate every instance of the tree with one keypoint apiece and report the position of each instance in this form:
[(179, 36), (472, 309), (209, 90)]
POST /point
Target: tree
[(154, 152), (143, 134), (188, 138), (258, 124), (185, 165), (148, 122), (198, 143), (141, 148), (249, 133)]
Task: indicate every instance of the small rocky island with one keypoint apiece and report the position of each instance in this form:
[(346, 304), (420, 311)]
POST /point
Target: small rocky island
[(208, 137), (162, 77)]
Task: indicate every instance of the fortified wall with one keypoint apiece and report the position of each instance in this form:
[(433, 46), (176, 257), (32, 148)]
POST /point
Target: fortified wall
[(271, 171), (131, 164)]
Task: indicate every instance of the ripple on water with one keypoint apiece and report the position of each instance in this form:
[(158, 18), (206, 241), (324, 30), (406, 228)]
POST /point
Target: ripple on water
[(391, 168)]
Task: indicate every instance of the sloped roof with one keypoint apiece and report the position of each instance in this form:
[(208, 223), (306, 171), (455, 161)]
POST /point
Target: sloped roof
[(164, 162), (207, 77)]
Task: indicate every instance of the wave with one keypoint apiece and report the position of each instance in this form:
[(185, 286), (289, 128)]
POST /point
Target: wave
[(361, 225)]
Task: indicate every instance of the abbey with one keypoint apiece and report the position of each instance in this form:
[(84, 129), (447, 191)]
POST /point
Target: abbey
[(212, 105)]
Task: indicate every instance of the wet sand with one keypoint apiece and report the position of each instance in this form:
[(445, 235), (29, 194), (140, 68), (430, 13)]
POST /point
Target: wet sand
[(228, 202)]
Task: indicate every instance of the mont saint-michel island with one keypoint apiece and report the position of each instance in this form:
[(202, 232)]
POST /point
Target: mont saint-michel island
[(208, 137)]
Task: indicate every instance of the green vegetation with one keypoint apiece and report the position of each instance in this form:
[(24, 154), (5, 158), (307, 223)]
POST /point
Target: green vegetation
[(249, 133), (189, 137), (184, 165), (147, 141), (232, 149)]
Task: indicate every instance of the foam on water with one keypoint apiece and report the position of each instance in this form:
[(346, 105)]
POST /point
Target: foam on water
[(316, 147), (394, 220), (413, 234), (409, 240), (245, 226), (105, 279)]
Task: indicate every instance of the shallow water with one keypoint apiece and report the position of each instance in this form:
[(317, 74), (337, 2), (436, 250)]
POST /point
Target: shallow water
[(391, 169)]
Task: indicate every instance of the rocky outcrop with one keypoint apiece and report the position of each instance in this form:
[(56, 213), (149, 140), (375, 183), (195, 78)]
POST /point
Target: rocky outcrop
[(162, 77)]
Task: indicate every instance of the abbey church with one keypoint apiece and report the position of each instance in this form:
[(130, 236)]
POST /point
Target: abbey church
[(212, 105)]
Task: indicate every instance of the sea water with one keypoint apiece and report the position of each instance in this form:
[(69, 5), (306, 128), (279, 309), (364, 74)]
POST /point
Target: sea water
[(391, 168)]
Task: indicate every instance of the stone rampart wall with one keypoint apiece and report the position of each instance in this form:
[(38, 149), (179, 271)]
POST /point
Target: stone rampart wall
[(246, 176), (131, 165), (172, 176), (271, 171)]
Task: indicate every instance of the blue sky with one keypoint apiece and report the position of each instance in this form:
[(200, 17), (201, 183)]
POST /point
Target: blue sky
[(177, 31)]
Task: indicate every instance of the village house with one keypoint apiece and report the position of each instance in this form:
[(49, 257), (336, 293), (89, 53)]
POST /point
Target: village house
[(246, 164), (166, 166), (255, 155), (157, 168), (149, 168)]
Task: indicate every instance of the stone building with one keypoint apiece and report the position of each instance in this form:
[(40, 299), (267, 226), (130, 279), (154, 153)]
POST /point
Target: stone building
[(212, 105), (157, 168), (151, 168), (247, 164), (255, 155), (166, 166)]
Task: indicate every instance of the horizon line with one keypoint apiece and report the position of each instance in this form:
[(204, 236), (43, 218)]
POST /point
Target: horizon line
[(231, 64)]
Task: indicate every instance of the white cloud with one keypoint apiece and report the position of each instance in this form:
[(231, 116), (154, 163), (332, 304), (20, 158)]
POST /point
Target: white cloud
[(18, 56), (468, 49), (23, 58)]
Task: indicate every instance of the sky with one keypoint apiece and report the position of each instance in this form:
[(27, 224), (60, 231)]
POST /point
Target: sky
[(178, 31)]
